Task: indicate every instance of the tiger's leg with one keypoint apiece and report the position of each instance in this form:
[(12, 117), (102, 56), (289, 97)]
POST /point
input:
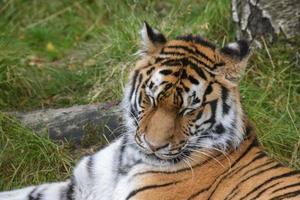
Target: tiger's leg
[(93, 178), (49, 191)]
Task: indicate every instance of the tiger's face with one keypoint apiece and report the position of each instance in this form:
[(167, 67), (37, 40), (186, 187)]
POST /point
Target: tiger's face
[(183, 97)]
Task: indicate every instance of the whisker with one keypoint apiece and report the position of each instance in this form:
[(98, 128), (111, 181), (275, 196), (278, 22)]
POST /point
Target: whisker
[(189, 165), (214, 148), (206, 154)]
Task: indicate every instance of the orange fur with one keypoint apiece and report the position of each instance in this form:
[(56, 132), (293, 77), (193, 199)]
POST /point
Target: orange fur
[(243, 173)]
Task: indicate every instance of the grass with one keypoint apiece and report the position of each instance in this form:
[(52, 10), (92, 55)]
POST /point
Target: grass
[(270, 92), (62, 53), (63, 49), (27, 158)]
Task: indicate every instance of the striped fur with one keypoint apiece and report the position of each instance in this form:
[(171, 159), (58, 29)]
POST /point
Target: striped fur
[(187, 135)]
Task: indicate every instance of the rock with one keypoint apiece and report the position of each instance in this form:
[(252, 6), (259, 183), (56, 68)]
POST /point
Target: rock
[(84, 124)]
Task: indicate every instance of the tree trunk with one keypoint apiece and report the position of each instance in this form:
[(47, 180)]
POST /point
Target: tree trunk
[(85, 125), (268, 18)]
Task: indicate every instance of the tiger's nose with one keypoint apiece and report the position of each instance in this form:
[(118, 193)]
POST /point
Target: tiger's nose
[(156, 147)]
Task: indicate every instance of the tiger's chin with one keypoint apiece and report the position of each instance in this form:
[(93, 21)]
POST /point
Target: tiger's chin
[(158, 159)]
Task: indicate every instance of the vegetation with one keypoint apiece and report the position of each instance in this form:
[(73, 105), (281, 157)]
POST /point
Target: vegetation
[(26, 158), (62, 53)]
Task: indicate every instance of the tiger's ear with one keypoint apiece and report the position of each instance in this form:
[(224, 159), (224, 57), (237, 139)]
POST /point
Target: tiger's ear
[(152, 40), (237, 50), (236, 56)]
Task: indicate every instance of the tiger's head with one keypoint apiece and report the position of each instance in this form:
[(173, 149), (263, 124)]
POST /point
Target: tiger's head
[(183, 96)]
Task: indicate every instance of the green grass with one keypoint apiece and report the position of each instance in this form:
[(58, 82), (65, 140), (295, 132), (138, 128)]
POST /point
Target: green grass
[(270, 91), (27, 158), (62, 53), (91, 43)]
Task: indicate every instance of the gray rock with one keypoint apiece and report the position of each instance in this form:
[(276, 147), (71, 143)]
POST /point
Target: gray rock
[(83, 124)]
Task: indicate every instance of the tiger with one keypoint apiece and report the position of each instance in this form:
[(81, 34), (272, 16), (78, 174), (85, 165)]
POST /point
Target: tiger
[(187, 136)]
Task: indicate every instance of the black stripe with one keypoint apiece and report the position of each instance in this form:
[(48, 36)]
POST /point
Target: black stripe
[(149, 187), (216, 65), (195, 101), (183, 111), (121, 152), (179, 171), (179, 95), (287, 195), (253, 144), (186, 62), (70, 189), (183, 74), (174, 62), (197, 193), (259, 155), (30, 197), (191, 51), (176, 171), (140, 98), (199, 115), (286, 187), (191, 58), (160, 95), (257, 167), (133, 115), (140, 78), (172, 53), (153, 100), (171, 62), (199, 71), (186, 88), (224, 96), (213, 105), (196, 39), (193, 80), (166, 72), (285, 175), (146, 82), (148, 72), (177, 73), (151, 85), (226, 174), (248, 130), (232, 195), (208, 90), (90, 165), (245, 179), (38, 194), (135, 75), (168, 86), (264, 190), (260, 172)]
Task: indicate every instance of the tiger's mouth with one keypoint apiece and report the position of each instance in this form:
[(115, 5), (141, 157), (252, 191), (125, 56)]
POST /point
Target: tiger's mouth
[(168, 157)]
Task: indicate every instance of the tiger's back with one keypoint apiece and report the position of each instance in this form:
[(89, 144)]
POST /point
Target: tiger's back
[(247, 174)]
